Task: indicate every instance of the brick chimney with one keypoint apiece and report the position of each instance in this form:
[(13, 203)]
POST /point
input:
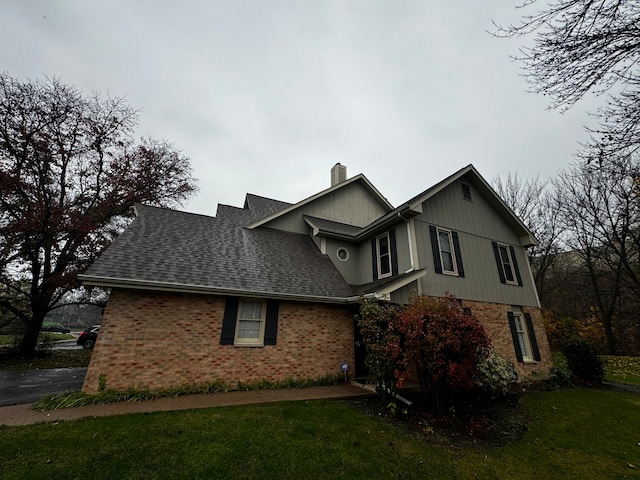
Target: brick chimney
[(338, 174)]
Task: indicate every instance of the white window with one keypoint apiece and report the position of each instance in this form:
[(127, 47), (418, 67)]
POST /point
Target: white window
[(250, 323), (384, 255), (506, 263), (447, 254), (523, 337)]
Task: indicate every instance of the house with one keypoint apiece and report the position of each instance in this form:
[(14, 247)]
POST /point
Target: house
[(269, 290)]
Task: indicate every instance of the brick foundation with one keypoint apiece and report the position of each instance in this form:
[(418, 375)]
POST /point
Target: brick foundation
[(158, 340), (493, 317)]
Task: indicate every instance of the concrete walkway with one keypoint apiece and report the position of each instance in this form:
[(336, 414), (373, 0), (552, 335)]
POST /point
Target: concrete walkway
[(23, 414)]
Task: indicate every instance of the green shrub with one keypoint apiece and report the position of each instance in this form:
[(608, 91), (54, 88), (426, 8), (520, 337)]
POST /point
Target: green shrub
[(495, 374), (559, 378), (582, 361)]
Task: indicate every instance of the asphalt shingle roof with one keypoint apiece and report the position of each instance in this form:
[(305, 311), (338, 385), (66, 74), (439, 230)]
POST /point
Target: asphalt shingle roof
[(183, 249)]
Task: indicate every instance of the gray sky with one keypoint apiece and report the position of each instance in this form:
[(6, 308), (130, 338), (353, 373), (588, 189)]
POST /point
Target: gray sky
[(266, 96)]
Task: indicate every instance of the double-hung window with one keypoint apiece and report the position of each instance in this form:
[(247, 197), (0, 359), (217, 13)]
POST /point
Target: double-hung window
[(250, 324), (507, 264), (446, 251), (384, 255), (447, 259), (524, 337)]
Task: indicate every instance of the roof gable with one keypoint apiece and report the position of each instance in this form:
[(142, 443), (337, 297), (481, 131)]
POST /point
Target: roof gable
[(375, 195), (471, 175)]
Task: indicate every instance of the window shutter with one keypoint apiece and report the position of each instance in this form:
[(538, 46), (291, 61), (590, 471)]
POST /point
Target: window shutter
[(271, 323), (394, 252), (435, 249), (514, 336), (456, 248), (498, 262), (532, 337), (515, 265), (229, 321), (374, 258)]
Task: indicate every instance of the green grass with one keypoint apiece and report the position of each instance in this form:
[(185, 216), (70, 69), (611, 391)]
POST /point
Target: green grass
[(587, 434), (56, 359), (10, 340)]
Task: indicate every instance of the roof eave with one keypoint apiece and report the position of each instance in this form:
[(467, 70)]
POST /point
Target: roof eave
[(126, 283)]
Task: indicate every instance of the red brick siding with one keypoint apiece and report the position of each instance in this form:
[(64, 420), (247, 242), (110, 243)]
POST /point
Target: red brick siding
[(493, 317), (157, 340)]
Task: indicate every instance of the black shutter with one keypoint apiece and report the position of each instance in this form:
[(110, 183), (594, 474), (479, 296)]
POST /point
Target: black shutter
[(394, 253), (271, 323), (496, 252), (229, 321), (515, 265), (435, 249), (514, 336), (456, 248), (532, 337), (374, 259)]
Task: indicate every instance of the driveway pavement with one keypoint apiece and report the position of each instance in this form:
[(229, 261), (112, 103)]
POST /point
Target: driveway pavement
[(28, 386)]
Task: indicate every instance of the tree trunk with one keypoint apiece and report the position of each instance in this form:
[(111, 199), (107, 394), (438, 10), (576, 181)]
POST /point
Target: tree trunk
[(30, 339), (611, 339)]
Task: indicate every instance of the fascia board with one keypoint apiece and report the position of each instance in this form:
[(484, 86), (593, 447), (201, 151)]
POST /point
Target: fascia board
[(499, 205), (125, 283)]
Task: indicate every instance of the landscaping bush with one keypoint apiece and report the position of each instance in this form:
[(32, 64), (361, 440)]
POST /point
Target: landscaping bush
[(495, 374), (582, 361), (431, 339)]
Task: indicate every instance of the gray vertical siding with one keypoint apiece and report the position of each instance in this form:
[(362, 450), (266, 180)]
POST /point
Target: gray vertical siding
[(353, 205), (477, 225)]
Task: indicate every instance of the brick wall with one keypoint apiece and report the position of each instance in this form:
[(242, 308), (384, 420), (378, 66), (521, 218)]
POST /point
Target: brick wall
[(493, 317), (157, 340)]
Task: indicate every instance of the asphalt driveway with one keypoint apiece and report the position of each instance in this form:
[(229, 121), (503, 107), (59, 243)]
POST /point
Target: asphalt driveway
[(27, 386)]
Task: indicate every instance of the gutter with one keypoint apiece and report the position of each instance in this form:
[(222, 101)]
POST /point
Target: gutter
[(111, 282)]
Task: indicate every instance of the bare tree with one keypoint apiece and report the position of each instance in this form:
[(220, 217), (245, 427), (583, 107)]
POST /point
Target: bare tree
[(69, 174), (601, 210), (586, 46)]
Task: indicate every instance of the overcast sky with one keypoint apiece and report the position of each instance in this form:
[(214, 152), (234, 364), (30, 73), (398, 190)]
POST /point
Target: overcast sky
[(266, 96)]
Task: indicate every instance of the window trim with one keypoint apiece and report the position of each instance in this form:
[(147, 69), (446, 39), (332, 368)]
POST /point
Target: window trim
[(342, 249), (528, 335), (524, 343), (250, 342), (501, 247), (452, 246), (379, 256)]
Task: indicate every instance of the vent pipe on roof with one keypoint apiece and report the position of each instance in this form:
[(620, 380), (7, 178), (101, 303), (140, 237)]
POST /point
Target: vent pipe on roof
[(338, 174)]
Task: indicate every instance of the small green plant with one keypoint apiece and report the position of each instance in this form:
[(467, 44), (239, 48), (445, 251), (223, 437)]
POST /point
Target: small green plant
[(582, 361), (559, 378), (102, 382), (109, 395)]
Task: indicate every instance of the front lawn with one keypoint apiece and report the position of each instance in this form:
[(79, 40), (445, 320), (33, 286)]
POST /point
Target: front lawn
[(587, 434), (52, 359)]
